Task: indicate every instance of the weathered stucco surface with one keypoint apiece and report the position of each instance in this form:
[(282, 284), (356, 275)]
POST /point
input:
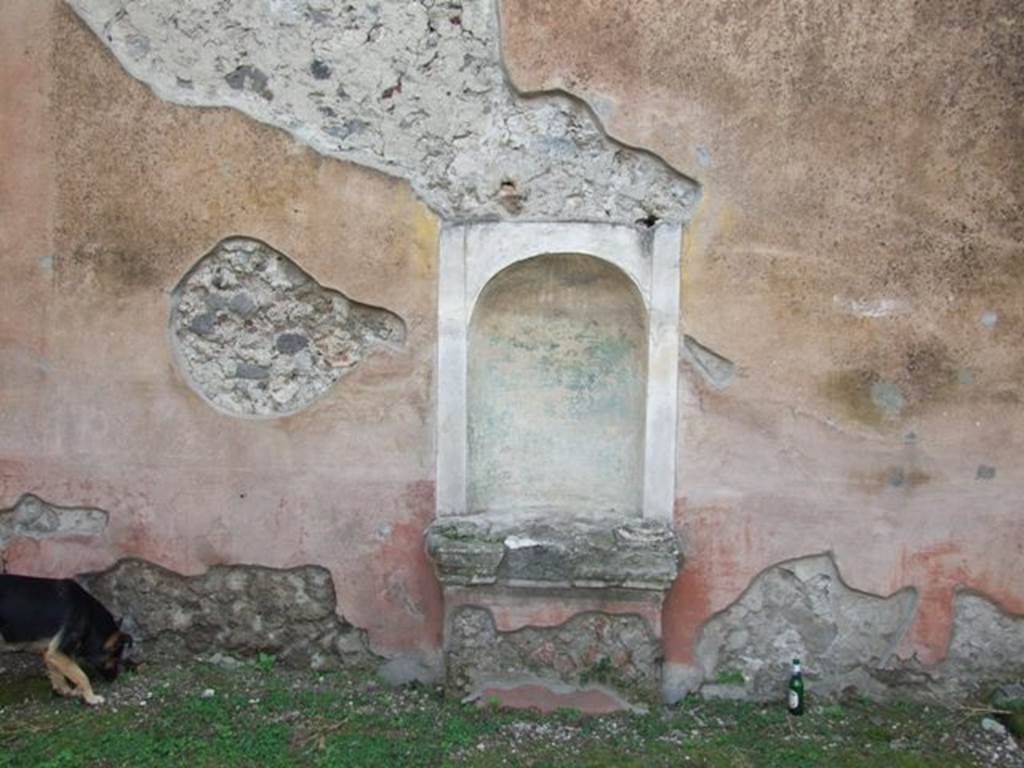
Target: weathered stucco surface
[(108, 197), (857, 256), (556, 391), (415, 89), (851, 377), (33, 518)]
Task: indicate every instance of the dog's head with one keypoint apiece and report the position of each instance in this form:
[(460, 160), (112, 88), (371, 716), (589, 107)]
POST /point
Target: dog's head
[(106, 655)]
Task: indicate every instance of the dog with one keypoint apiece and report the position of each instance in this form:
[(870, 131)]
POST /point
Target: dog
[(63, 621)]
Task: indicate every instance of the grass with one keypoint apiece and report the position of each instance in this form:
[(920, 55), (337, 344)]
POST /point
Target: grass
[(267, 716)]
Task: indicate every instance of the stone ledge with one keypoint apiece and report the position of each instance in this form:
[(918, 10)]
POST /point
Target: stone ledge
[(580, 553)]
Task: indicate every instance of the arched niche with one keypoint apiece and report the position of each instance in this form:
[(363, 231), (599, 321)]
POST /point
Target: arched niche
[(643, 265), (557, 391)]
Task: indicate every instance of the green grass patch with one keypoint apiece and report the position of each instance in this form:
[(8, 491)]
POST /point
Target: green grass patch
[(262, 715)]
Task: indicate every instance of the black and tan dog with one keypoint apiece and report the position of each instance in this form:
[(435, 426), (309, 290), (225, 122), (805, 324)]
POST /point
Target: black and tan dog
[(63, 621)]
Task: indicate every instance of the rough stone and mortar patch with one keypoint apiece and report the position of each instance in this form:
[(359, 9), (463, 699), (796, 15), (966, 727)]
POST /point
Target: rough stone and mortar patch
[(987, 646), (257, 336), (238, 610), (34, 518), (414, 89), (985, 652), (801, 609), (617, 651), (847, 640)]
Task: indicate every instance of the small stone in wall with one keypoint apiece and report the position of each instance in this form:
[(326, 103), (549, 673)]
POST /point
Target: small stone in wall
[(719, 371), (257, 336)]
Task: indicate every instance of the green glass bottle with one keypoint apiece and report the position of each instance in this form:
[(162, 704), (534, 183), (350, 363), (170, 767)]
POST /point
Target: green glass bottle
[(796, 690)]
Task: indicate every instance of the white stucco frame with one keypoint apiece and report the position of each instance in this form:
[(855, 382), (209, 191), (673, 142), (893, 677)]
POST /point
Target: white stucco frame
[(471, 254)]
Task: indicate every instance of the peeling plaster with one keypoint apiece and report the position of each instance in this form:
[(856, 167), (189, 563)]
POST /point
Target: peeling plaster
[(34, 518), (848, 641), (802, 609), (717, 370), (413, 89)]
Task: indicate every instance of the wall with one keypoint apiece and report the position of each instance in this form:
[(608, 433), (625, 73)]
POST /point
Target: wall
[(108, 197), (854, 264), (857, 255)]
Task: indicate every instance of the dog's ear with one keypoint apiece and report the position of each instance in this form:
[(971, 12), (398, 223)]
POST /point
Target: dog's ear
[(117, 642), (119, 621)]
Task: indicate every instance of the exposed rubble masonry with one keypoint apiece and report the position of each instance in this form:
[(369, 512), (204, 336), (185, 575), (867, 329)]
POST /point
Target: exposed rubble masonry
[(257, 336), (606, 655), (848, 640), (414, 89), (232, 613)]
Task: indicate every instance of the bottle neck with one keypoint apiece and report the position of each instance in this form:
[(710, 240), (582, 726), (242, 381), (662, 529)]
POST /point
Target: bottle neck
[(796, 669)]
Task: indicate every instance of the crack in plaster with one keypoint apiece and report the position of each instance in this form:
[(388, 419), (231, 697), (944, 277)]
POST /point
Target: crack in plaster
[(414, 89)]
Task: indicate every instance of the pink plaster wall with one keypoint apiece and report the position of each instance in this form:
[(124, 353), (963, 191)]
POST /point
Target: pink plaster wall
[(861, 211), (863, 208), (108, 196)]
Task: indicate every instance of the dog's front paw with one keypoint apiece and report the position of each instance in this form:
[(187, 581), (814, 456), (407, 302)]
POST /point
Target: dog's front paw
[(94, 700)]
